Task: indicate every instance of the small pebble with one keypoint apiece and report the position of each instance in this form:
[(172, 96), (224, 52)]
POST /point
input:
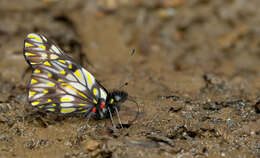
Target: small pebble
[(92, 145), (166, 13)]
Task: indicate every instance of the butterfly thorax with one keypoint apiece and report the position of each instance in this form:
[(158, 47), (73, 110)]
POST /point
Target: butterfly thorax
[(103, 108)]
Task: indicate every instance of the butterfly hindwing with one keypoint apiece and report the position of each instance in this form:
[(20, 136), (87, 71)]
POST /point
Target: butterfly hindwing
[(59, 84)]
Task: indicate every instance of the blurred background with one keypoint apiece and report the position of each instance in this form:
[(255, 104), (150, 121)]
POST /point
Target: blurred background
[(195, 74)]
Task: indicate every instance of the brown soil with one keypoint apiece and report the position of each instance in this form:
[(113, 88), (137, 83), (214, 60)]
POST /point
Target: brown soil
[(195, 75)]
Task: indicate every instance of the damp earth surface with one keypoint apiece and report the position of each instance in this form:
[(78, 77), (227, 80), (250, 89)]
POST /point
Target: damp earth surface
[(195, 74)]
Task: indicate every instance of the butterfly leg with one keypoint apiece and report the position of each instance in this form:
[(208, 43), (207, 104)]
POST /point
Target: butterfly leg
[(119, 120), (113, 123), (88, 118), (82, 129)]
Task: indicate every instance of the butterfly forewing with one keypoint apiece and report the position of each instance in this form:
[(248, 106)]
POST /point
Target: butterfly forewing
[(58, 83), (38, 48)]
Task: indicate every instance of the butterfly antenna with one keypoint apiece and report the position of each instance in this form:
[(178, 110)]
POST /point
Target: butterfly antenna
[(125, 84), (110, 114), (119, 120), (127, 63), (138, 109), (86, 125)]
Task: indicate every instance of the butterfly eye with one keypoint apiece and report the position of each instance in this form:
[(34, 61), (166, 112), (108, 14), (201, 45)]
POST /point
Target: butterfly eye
[(117, 98), (111, 101)]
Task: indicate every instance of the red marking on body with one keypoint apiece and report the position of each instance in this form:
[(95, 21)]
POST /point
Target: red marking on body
[(94, 109), (102, 105)]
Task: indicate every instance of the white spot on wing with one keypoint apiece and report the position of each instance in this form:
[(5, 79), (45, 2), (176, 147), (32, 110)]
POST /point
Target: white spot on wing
[(55, 49), (38, 89), (51, 69), (71, 78), (57, 66), (38, 49), (37, 96), (42, 85), (71, 91), (78, 86), (44, 39), (53, 56), (103, 94), (41, 75), (66, 104), (67, 98)]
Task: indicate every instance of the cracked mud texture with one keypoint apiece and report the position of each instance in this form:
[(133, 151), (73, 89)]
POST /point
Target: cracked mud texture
[(195, 75)]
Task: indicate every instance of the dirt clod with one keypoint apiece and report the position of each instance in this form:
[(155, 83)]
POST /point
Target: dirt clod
[(91, 145)]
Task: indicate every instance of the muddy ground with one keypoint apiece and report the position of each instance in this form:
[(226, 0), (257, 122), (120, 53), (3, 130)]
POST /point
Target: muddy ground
[(195, 74)]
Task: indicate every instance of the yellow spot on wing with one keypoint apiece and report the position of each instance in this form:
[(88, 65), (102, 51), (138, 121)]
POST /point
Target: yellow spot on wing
[(63, 72), (37, 71), (31, 93), (51, 109), (84, 96), (95, 91), (49, 100), (70, 66), (60, 80), (35, 103), (33, 81), (47, 63), (77, 73), (62, 61), (89, 79), (82, 104), (29, 54), (50, 84), (41, 46), (53, 104), (32, 36), (64, 99), (65, 110), (45, 91), (28, 44), (49, 75), (94, 100)]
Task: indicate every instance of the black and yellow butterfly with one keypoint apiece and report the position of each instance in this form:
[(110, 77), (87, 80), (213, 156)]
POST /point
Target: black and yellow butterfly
[(58, 84)]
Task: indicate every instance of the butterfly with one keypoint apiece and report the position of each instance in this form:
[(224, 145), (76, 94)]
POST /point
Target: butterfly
[(59, 84)]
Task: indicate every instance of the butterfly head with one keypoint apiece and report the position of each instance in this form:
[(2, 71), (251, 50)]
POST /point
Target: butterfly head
[(114, 99)]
